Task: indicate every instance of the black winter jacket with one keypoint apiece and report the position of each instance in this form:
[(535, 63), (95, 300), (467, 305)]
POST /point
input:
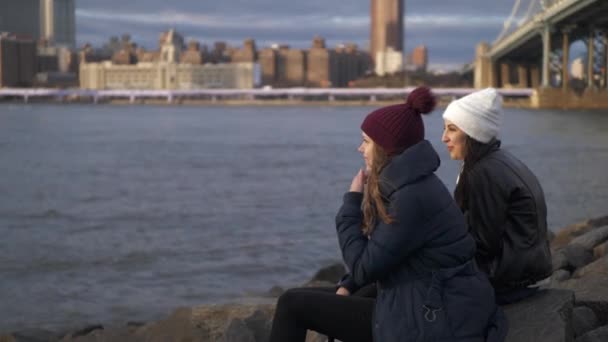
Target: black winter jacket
[(429, 288), (507, 215)]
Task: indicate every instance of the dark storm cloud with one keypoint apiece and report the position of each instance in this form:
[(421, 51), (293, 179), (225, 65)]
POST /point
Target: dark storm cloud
[(450, 29)]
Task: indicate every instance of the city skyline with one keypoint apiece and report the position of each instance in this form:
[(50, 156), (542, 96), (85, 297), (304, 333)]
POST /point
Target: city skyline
[(450, 31)]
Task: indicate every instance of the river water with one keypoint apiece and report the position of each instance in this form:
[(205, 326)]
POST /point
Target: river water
[(111, 214)]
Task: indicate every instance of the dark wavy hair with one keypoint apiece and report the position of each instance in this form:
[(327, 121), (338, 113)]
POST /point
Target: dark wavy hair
[(473, 151)]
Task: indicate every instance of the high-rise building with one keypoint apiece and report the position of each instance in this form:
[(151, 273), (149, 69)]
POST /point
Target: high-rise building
[(247, 54), (386, 26), (318, 66), (420, 57), (17, 61), (51, 20), (282, 66), (321, 65), (58, 21), (21, 17)]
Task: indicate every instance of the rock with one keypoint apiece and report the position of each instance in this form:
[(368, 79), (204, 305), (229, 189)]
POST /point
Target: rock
[(122, 334), (598, 266), (565, 235), (332, 273), (35, 335), (550, 235), (600, 251), (87, 330), (591, 289), (212, 323), (544, 317), (260, 323), (237, 331), (319, 284), (135, 324), (592, 238), (583, 320), (598, 222), (597, 335), (561, 275), (275, 291), (571, 257)]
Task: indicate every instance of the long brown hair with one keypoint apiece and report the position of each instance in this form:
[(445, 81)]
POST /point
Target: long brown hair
[(373, 201)]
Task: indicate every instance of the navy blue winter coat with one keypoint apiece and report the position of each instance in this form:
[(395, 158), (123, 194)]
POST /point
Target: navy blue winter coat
[(429, 288)]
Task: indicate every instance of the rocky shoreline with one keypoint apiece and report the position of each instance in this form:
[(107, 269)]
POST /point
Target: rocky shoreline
[(572, 308)]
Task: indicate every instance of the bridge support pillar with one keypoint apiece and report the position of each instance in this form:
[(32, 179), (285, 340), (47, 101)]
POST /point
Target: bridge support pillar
[(546, 35), (605, 61), (565, 58), (505, 74), (522, 76), (534, 76), (591, 58), (485, 72)]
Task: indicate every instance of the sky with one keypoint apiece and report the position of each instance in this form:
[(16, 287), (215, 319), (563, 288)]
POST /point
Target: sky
[(449, 28)]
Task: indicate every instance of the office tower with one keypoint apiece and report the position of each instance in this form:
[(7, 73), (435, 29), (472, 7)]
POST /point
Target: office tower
[(58, 22), (386, 26), (21, 17)]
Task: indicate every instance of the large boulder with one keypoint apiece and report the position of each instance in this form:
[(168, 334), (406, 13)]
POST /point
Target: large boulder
[(330, 274), (118, 334), (36, 335), (572, 257), (583, 320), (597, 335), (567, 234), (591, 287), (545, 316), (592, 238), (600, 251), (598, 266), (222, 323)]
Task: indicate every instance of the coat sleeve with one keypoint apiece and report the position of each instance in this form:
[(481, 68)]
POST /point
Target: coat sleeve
[(389, 244), (348, 283), (487, 212)]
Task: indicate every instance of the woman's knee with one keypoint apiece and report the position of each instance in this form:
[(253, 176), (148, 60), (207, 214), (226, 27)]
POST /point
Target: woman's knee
[(289, 297)]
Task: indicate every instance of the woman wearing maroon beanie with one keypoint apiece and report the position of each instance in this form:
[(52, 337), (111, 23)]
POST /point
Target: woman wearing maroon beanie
[(399, 229)]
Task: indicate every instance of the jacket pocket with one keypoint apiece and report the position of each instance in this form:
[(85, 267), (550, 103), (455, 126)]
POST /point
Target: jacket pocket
[(430, 316)]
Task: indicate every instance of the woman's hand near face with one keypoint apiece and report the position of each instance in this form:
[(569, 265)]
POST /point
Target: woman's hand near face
[(358, 182), (343, 291)]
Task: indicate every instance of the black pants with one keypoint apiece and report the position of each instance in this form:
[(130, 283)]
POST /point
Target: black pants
[(346, 318)]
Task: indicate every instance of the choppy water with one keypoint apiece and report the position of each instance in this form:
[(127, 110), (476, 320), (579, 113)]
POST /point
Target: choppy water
[(112, 213)]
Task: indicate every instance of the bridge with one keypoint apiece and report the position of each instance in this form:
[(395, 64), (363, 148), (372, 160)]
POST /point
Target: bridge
[(534, 51), (215, 95)]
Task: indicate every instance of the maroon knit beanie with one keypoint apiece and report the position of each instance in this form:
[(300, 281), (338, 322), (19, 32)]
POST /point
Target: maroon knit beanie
[(397, 127)]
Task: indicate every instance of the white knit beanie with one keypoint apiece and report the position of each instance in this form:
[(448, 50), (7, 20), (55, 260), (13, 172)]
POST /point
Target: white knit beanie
[(479, 114)]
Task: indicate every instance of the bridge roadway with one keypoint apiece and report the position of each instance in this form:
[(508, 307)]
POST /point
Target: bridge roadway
[(249, 94), (562, 14), (540, 47)]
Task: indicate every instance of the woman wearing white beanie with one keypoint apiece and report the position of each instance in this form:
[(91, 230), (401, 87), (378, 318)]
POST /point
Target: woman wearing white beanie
[(502, 200)]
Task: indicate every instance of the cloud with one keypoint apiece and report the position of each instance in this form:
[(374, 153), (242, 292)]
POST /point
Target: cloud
[(449, 29), (302, 22)]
